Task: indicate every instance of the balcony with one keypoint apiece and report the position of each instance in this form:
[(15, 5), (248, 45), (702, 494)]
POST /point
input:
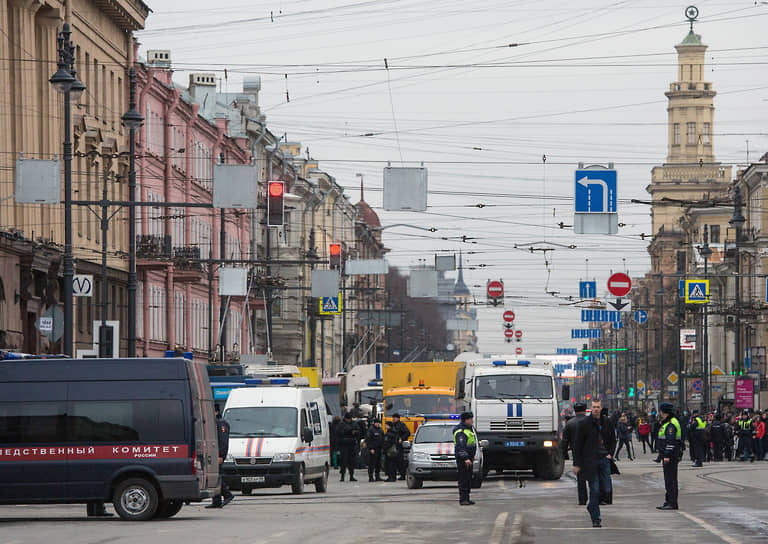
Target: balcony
[(153, 246), (187, 258)]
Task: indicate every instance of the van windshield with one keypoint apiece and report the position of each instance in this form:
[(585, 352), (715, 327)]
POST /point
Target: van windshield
[(262, 421), (513, 386)]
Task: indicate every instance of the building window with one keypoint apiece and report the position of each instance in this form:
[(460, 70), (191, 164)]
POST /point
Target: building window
[(691, 133), (705, 134), (714, 234), (676, 136)]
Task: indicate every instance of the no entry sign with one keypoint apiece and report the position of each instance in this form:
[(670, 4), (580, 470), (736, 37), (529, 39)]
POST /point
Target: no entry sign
[(519, 351), (509, 316), (509, 333), (519, 334), (495, 289), (619, 284)]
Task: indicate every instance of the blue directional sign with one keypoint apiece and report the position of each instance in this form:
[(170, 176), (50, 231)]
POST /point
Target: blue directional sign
[(681, 288), (641, 316), (601, 316), (330, 305), (617, 325), (595, 191), (586, 333), (587, 289)]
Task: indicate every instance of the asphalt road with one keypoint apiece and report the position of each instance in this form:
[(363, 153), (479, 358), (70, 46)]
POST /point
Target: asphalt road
[(723, 502)]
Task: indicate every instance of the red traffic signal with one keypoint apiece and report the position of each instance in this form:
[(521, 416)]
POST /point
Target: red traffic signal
[(334, 250), (275, 205)]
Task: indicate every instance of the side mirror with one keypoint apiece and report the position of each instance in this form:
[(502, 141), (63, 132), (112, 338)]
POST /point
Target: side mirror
[(484, 444), (306, 435), (407, 445)]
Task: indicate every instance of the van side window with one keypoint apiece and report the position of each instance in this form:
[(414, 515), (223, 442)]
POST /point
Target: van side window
[(125, 421), (314, 411), (32, 422), (304, 423)]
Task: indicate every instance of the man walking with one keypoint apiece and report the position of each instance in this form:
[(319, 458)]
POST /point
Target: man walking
[(465, 442), (347, 437), (374, 442), (595, 440), (670, 442), (222, 431), (717, 434), (569, 438)]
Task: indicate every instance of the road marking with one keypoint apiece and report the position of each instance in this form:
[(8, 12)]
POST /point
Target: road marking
[(498, 527), (714, 530)]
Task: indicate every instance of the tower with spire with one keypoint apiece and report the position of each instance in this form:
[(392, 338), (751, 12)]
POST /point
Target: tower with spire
[(464, 340)]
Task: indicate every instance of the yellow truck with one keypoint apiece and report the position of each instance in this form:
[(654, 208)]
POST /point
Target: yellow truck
[(417, 391)]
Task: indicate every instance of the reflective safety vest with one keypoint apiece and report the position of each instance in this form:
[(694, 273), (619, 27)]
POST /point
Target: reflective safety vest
[(700, 424), (471, 438), (745, 426), (676, 424)]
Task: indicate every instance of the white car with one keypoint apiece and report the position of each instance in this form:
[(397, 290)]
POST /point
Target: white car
[(432, 456)]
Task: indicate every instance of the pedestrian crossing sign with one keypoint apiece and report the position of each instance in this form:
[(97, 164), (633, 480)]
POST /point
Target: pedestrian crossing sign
[(696, 291), (330, 305)]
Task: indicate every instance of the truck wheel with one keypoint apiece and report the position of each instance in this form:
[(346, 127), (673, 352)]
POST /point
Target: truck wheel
[(297, 487), (321, 485), (550, 466), (135, 499), (168, 509), (413, 482)]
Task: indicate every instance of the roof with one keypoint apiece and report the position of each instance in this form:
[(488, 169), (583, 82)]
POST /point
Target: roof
[(367, 215), (692, 39)]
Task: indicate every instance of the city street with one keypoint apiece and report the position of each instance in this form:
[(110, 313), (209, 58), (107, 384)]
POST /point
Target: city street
[(719, 503)]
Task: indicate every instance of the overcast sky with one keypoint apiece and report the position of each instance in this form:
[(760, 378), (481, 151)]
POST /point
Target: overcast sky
[(481, 92)]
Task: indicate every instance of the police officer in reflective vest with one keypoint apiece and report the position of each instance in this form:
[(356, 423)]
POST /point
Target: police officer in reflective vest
[(466, 447), (670, 441), (698, 438)]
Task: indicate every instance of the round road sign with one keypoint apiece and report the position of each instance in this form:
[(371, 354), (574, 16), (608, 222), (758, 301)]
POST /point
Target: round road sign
[(519, 334), (495, 289), (519, 351), (509, 333), (509, 316), (619, 284)]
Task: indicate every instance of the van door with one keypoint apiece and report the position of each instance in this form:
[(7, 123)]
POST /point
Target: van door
[(204, 429), (319, 452)]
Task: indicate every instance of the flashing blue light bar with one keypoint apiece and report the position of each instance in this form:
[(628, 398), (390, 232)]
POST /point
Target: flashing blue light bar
[(374, 383), (254, 381), (523, 363), (428, 417), (280, 381), (499, 363)]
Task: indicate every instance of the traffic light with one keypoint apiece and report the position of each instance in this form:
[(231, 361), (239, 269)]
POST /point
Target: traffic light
[(275, 206), (335, 256), (631, 392), (589, 396)]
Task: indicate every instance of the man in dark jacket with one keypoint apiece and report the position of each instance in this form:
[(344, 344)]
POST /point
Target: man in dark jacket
[(670, 442), (347, 435), (569, 438), (696, 431), (595, 440), (403, 434), (465, 442), (222, 431), (717, 435), (374, 442)]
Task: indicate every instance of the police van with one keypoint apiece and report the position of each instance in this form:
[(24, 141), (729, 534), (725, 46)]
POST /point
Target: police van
[(138, 432), (279, 435)]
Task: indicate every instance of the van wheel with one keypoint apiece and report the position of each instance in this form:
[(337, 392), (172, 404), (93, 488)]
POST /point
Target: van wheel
[(168, 509), (246, 491), (297, 487), (413, 482), (321, 485), (135, 499)]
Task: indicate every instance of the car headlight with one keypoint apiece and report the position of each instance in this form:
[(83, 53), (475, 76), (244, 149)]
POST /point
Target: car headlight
[(283, 457), (420, 456), (548, 444)]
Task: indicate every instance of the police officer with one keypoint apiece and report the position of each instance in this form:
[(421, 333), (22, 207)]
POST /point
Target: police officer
[(403, 434), (374, 442), (670, 440), (466, 447), (697, 430), (717, 433), (222, 430), (569, 437), (745, 436), (347, 436)]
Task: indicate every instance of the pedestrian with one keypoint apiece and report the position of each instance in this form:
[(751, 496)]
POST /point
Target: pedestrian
[(758, 432), (670, 441), (391, 451), (746, 430), (697, 434), (374, 442), (403, 434), (717, 434), (569, 437), (465, 448), (644, 432), (595, 440), (764, 440), (624, 434), (335, 454), (728, 428), (347, 435), (222, 431)]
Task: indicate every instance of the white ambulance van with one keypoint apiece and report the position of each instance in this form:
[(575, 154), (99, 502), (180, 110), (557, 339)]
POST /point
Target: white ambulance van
[(278, 436)]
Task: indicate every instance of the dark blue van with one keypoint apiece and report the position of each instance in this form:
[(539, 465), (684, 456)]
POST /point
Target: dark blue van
[(138, 432)]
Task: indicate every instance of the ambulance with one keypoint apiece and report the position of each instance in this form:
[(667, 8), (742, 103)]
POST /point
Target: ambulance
[(279, 435)]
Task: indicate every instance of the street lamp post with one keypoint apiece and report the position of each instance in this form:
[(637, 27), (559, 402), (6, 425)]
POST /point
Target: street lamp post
[(706, 252), (737, 221), (660, 296), (65, 82), (133, 120)]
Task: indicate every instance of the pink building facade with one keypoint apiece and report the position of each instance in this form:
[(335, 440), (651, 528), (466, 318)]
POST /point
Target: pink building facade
[(177, 149)]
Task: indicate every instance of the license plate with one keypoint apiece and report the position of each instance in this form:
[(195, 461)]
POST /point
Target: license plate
[(445, 464), (514, 444), (252, 479)]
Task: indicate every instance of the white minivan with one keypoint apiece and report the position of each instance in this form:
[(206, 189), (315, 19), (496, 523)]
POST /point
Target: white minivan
[(278, 436)]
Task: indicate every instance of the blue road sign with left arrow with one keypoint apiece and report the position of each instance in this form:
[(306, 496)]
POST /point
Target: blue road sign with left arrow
[(595, 191)]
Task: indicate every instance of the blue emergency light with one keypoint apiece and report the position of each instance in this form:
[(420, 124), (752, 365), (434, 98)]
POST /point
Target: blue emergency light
[(499, 363), (431, 417)]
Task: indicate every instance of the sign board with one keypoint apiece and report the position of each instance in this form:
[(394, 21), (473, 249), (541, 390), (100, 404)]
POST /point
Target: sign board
[(380, 318), (619, 284), (620, 305), (518, 334), (508, 316), (617, 325), (518, 351), (405, 189), (509, 333), (697, 385), (51, 323), (37, 181), (45, 324), (673, 378), (587, 289), (586, 333), (82, 285), (235, 186), (641, 316), (744, 393), (233, 282), (656, 384), (640, 385), (495, 289), (330, 305), (717, 371), (325, 283), (688, 339), (461, 324), (422, 284), (696, 291), (445, 263), (595, 197), (359, 267), (600, 316)]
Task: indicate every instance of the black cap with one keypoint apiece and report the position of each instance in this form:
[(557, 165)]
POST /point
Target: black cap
[(347, 416), (396, 415), (466, 415), (666, 408), (579, 407)]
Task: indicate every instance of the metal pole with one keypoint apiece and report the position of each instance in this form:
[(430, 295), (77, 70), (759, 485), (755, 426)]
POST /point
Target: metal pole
[(660, 294), (737, 320), (647, 351), (132, 283), (104, 290), (222, 299), (705, 355), (210, 300), (69, 268)]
